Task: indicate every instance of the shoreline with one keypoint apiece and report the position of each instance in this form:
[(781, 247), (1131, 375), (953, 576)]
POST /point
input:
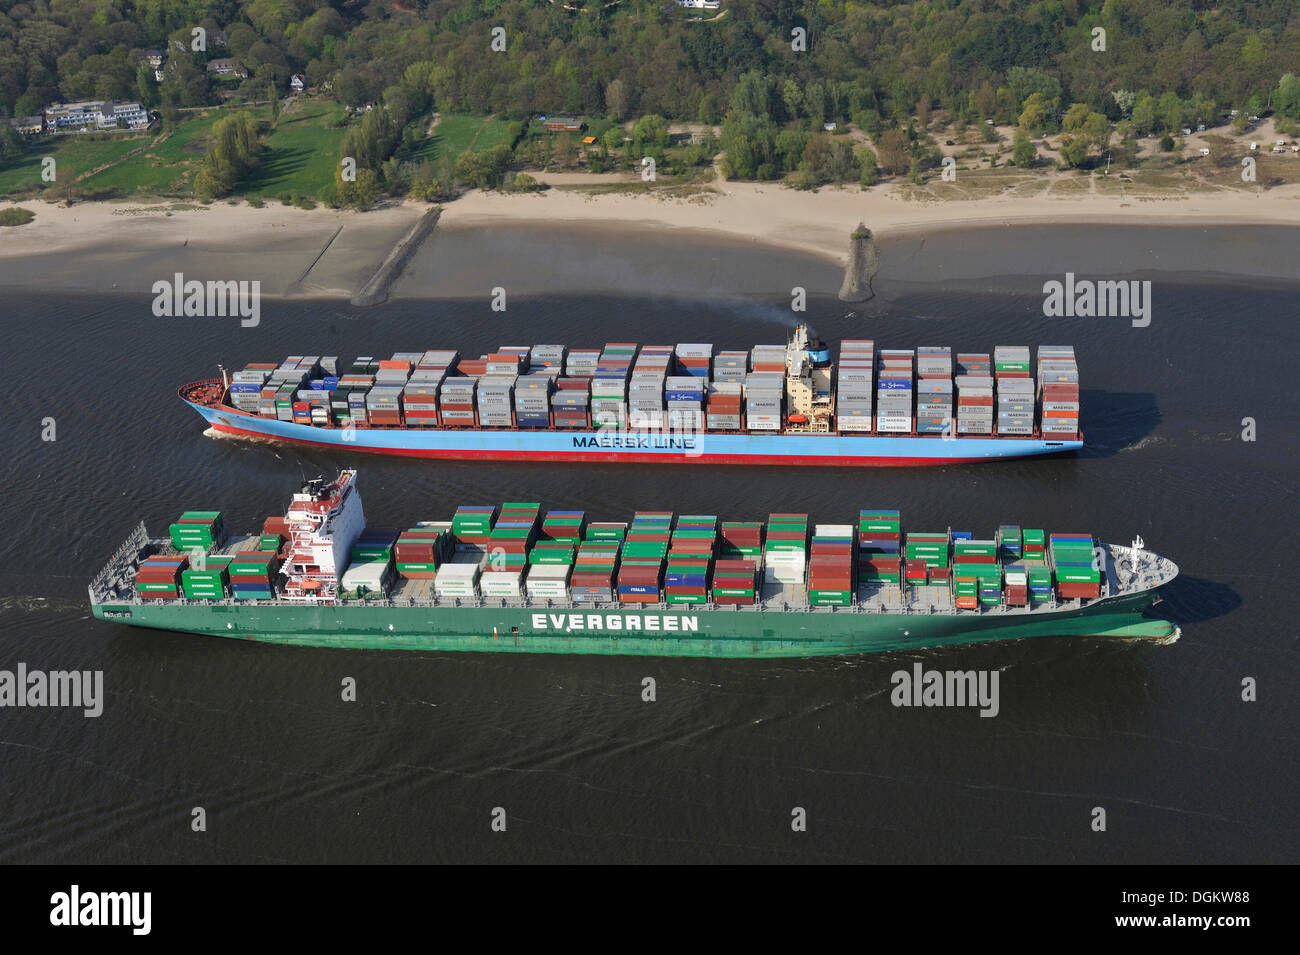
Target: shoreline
[(307, 254)]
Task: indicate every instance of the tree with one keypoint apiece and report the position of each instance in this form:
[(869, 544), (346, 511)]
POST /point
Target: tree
[(616, 99), (1033, 118), (1125, 101), (923, 112), (792, 93), (232, 155), (750, 95), (1073, 150), (1144, 113), (146, 86), (1023, 82), (1023, 153), (894, 150), (869, 174), (1286, 98)]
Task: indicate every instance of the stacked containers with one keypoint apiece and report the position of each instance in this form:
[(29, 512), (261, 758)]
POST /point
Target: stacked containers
[(723, 408), (731, 367), (594, 564), (1010, 543), (830, 566), (197, 530), (420, 397), (471, 526), (246, 387), (384, 405), (734, 581), (1015, 390), (208, 582), (458, 579), (764, 391), (494, 397), (252, 574), (879, 540), (740, 553), (641, 568), (1032, 542), (645, 395), (418, 551), (508, 545), (354, 391), (977, 561), (1058, 391), (854, 385), (547, 359), (894, 392), (925, 553), (1075, 564), (159, 578), (367, 578), (373, 543), (934, 390), (684, 397), (571, 403), (974, 395), (609, 394), (581, 362), (1016, 578), (694, 360), (690, 558), (533, 400), (785, 553), (456, 402), (1011, 551), (548, 582), (1035, 561)]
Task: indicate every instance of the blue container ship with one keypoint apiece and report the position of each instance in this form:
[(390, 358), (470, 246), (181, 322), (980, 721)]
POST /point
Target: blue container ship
[(685, 404)]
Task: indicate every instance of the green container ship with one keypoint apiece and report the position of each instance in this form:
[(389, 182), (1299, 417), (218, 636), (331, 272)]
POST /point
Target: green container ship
[(475, 584)]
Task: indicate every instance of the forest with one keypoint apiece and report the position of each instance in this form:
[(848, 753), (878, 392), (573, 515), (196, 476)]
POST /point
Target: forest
[(771, 72)]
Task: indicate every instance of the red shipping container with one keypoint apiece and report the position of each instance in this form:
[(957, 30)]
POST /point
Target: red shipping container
[(1068, 590)]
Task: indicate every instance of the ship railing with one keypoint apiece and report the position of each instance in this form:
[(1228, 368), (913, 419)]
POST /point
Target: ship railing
[(117, 572)]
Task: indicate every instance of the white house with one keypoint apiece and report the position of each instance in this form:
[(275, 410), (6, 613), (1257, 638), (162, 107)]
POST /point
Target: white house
[(297, 82), (700, 4), (94, 114)]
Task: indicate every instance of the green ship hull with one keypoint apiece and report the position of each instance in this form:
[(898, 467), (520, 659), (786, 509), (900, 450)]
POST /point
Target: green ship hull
[(652, 631)]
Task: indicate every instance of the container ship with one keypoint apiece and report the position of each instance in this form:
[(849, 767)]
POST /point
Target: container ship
[(689, 403), (510, 578)]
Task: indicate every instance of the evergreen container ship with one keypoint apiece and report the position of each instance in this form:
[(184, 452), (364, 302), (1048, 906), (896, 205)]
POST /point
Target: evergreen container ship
[(689, 403), (510, 578)]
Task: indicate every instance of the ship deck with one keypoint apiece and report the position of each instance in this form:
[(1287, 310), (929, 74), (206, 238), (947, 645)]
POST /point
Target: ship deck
[(212, 393), (114, 584)]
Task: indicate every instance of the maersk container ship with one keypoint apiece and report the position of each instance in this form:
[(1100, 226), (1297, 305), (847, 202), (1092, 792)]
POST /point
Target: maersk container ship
[(690, 403), (509, 578)]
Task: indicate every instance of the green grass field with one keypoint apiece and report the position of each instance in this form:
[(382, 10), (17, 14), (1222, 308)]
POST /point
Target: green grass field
[(73, 156), (301, 153), (166, 169), (457, 133)]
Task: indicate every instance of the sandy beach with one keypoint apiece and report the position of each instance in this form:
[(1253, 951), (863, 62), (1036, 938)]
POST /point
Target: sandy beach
[(321, 252)]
